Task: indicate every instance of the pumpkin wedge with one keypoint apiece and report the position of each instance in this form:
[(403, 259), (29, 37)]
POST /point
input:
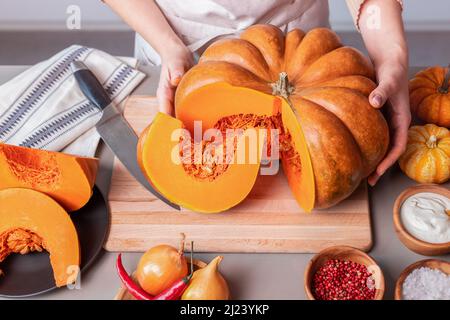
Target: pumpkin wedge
[(326, 85), (67, 179), (32, 221), (196, 187)]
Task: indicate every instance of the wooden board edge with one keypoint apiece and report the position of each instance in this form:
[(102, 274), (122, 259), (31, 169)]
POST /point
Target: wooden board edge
[(364, 245)]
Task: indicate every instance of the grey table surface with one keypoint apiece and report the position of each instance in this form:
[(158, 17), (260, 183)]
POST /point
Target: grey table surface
[(255, 276)]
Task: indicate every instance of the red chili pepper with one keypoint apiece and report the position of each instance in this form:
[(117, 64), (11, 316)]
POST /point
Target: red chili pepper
[(135, 290), (175, 291)]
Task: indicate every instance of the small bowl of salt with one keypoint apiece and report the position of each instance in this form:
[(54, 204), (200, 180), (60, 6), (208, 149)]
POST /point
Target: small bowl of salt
[(424, 280)]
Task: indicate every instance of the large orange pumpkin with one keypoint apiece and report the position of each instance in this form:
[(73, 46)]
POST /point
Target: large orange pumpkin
[(430, 96), (323, 87)]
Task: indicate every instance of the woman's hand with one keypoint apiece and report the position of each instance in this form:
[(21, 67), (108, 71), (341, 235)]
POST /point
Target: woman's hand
[(145, 17), (393, 90), (175, 63), (381, 27)]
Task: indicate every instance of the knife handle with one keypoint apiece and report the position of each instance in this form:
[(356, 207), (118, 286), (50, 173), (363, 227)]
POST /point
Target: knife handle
[(90, 86)]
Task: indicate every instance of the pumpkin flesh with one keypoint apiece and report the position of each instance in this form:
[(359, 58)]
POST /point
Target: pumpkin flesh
[(67, 179), (160, 160), (32, 221), (220, 100)]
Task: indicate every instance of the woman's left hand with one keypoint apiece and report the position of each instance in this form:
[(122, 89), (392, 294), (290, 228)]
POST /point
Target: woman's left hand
[(393, 90), (381, 27)]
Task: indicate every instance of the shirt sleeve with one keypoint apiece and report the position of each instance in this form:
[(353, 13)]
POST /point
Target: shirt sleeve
[(355, 6)]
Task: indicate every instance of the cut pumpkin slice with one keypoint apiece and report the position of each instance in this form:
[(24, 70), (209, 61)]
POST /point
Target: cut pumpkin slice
[(213, 104), (299, 173), (67, 179), (32, 221), (200, 188)]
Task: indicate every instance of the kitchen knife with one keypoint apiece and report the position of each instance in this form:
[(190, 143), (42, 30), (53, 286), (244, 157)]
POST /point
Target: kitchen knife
[(112, 127)]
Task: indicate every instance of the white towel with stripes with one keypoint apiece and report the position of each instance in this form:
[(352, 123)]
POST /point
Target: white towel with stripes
[(44, 108)]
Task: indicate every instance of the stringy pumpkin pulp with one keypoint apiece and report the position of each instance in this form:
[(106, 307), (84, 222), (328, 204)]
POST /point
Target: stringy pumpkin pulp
[(19, 241), (213, 162), (37, 170)]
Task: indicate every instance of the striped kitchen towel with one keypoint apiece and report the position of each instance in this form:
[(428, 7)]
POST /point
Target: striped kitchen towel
[(44, 108)]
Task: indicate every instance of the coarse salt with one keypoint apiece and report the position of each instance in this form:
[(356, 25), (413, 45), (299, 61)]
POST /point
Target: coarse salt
[(426, 284)]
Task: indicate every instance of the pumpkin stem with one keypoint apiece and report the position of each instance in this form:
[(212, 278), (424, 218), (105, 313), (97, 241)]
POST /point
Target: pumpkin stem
[(444, 87), (432, 142), (282, 87)]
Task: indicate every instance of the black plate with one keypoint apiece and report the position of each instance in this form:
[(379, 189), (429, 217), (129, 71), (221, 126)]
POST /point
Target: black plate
[(31, 274)]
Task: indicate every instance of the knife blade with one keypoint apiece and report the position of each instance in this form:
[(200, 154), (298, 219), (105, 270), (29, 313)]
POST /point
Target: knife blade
[(112, 127)]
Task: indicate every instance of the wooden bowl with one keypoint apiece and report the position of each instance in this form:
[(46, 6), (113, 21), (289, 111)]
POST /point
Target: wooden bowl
[(412, 243), (430, 263), (123, 293), (343, 253)]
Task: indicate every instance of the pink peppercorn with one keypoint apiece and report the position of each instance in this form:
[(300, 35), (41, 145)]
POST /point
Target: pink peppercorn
[(343, 280)]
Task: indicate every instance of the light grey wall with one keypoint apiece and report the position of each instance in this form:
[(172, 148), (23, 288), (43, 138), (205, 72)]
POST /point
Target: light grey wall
[(419, 15), (51, 14)]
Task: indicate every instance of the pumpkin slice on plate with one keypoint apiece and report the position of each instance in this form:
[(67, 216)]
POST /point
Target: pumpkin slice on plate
[(330, 128), (205, 187), (67, 179), (32, 221)]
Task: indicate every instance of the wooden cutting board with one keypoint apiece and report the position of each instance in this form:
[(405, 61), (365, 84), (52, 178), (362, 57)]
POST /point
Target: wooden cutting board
[(269, 220)]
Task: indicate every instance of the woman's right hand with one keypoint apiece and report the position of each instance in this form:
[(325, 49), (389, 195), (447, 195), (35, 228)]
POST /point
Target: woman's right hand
[(175, 63), (146, 18)]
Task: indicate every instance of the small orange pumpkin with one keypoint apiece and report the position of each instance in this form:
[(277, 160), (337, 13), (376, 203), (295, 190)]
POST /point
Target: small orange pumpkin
[(427, 156), (430, 96)]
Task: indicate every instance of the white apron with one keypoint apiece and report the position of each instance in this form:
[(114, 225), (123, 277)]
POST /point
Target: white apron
[(198, 22)]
